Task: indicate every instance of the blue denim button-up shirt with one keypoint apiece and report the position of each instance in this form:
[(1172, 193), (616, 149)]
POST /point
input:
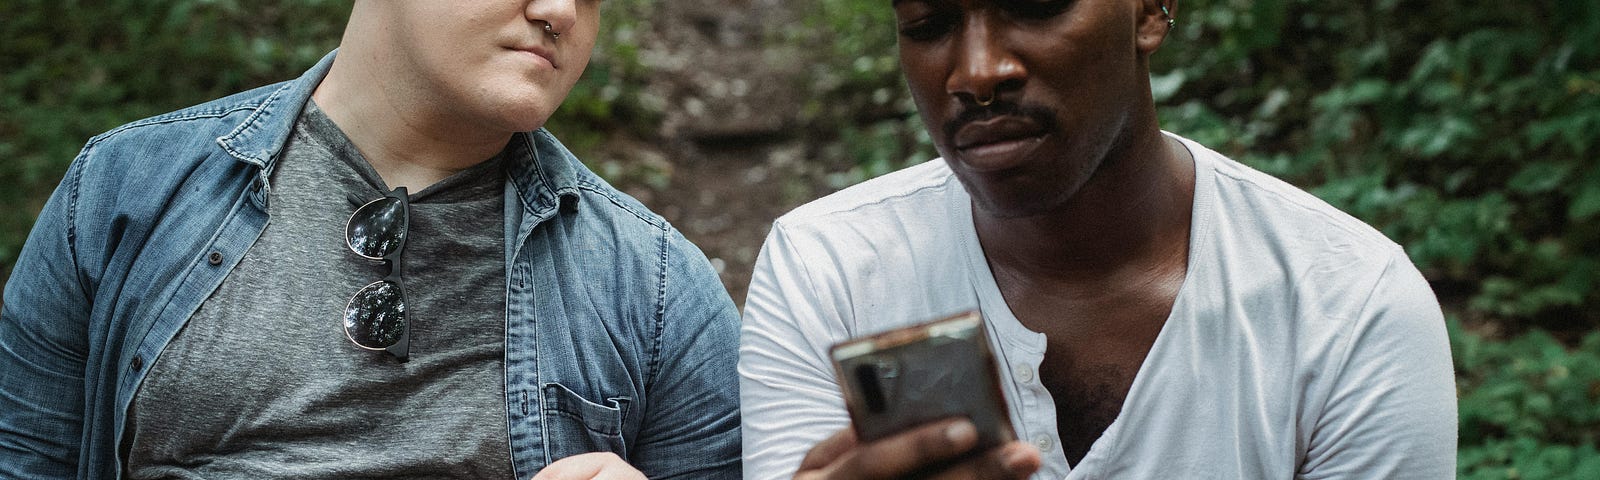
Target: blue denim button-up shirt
[(619, 336)]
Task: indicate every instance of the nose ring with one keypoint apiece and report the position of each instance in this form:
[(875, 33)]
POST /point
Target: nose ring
[(984, 102), (551, 29)]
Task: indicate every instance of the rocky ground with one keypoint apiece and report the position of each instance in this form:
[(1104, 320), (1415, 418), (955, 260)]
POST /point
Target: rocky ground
[(729, 155)]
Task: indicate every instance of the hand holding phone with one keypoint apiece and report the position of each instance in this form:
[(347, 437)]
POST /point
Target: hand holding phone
[(942, 449), (922, 399), (909, 376)]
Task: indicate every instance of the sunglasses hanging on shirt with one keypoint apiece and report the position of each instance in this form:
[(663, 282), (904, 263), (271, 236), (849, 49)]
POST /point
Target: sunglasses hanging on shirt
[(375, 317)]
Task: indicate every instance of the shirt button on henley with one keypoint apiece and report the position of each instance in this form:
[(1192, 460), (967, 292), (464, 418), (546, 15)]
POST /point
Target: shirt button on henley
[(1023, 373), (1043, 442)]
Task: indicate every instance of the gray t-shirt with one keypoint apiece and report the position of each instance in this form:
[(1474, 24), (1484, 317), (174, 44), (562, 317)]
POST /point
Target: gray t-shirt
[(263, 383)]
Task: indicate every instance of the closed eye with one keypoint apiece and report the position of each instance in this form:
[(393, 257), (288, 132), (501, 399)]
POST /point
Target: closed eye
[(1035, 9), (922, 20), (927, 28)]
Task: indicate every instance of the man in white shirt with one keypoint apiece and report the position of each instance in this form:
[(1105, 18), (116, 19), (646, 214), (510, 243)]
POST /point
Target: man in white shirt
[(1159, 310)]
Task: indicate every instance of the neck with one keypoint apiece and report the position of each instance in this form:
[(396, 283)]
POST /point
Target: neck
[(1132, 216), (410, 137)]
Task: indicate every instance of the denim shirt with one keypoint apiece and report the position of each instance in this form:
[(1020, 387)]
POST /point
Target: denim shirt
[(619, 335)]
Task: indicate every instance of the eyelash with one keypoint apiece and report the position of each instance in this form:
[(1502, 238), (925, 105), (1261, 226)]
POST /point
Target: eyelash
[(944, 19), (929, 27), (1024, 9)]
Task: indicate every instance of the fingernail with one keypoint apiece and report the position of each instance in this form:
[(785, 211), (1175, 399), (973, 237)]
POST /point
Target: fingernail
[(960, 433), (1014, 460)]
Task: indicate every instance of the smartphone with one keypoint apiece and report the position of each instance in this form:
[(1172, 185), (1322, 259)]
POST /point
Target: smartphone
[(905, 377)]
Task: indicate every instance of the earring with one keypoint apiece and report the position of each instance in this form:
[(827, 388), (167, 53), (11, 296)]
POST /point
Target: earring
[(551, 29), (1168, 14)]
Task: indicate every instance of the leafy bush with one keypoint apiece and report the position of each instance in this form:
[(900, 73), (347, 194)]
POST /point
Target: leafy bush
[(1530, 407)]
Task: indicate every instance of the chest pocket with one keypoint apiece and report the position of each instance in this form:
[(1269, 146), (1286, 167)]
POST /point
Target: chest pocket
[(575, 425)]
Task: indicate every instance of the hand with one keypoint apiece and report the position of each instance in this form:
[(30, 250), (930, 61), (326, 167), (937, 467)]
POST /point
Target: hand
[(907, 453), (597, 466)]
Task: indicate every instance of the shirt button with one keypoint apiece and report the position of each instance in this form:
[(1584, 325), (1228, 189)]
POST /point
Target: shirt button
[(215, 258), (1023, 373), (138, 364), (1043, 442)]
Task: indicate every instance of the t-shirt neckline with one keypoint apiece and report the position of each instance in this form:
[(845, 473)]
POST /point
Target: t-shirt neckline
[(1011, 336)]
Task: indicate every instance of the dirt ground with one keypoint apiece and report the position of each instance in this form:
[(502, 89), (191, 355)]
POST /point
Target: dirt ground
[(729, 155), (722, 197)]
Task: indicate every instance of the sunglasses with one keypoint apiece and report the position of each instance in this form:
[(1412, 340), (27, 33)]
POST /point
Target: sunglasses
[(375, 317)]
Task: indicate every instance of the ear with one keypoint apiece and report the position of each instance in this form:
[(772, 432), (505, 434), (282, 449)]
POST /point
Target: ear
[(1154, 23)]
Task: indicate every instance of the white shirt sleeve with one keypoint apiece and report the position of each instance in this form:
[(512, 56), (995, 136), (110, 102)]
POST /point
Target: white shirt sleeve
[(788, 392), (1391, 412)]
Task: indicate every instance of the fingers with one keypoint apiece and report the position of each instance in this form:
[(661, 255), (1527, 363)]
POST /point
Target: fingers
[(1012, 461), (914, 452), (590, 466), (905, 453), (829, 450)]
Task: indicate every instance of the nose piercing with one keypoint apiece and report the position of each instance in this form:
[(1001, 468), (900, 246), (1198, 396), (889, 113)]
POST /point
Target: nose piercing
[(551, 29), (984, 102)]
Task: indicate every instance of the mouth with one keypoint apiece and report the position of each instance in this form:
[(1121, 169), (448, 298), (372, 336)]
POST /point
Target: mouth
[(539, 53), (998, 143)]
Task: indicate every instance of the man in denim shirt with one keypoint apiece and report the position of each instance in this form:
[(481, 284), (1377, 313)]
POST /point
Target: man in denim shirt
[(384, 268)]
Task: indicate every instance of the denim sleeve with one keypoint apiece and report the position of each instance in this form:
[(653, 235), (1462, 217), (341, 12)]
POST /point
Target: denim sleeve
[(691, 427), (43, 346)]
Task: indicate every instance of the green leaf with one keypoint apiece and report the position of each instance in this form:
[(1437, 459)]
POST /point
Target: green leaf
[(1539, 177), (1586, 203)]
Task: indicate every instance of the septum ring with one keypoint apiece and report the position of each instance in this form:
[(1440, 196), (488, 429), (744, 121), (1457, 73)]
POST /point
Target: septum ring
[(984, 102), (551, 29)]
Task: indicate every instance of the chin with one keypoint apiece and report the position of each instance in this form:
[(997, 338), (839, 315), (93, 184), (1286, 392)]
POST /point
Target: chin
[(1020, 208), (530, 124), (523, 111), (1021, 199), (524, 117)]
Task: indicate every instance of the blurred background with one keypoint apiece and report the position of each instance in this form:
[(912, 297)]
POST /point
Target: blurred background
[(1466, 131)]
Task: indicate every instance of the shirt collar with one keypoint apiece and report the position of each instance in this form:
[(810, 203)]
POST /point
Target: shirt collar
[(260, 137)]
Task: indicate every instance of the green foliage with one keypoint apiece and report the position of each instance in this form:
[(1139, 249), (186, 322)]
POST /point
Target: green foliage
[(607, 98), (859, 106), (1529, 407), (74, 69)]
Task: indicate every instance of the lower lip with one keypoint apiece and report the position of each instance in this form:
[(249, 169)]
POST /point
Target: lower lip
[(543, 62), (1000, 155)]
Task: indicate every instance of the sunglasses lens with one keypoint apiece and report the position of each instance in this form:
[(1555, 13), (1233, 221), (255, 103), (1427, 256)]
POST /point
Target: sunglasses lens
[(377, 228), (376, 317)]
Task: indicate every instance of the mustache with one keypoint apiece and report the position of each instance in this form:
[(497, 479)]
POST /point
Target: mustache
[(1045, 117)]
